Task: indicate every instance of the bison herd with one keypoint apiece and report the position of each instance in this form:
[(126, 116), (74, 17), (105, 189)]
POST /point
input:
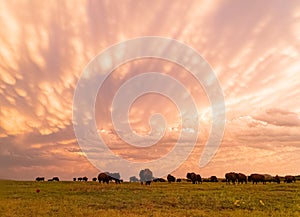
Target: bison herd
[(233, 177), (41, 179), (146, 177)]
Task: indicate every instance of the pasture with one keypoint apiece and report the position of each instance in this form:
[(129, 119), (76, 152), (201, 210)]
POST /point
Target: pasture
[(20, 198)]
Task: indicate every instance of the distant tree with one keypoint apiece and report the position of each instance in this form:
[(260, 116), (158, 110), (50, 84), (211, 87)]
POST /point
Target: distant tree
[(133, 179), (146, 175)]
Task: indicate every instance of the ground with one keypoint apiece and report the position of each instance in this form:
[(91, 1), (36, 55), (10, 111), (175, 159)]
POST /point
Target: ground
[(25, 198)]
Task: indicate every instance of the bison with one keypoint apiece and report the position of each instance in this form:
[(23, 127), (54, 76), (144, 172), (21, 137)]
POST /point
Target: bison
[(94, 179), (117, 181), (277, 179), (115, 177), (40, 179), (231, 177), (255, 178), (159, 180), (171, 178), (74, 179), (103, 177), (55, 179), (84, 179), (241, 178), (289, 179), (192, 176), (199, 179), (213, 179), (269, 178)]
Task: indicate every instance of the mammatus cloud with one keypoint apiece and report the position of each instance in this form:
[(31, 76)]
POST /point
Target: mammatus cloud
[(253, 48)]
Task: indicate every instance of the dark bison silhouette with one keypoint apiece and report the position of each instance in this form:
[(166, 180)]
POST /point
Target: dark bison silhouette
[(199, 179), (255, 178), (277, 179), (94, 179), (103, 177), (74, 179), (84, 179), (40, 179), (213, 179), (192, 176), (171, 178), (79, 179), (195, 178), (178, 180), (241, 178), (55, 179), (146, 176), (115, 177), (269, 178), (289, 179), (159, 180), (231, 177)]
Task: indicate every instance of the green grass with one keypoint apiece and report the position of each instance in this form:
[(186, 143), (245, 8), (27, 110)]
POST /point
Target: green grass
[(19, 198)]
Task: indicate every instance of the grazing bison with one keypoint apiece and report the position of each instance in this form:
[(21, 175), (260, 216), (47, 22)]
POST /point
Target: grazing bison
[(241, 178), (79, 179), (178, 180), (192, 176), (289, 179), (277, 179), (199, 179), (146, 176), (84, 179), (231, 177), (117, 181), (255, 178), (74, 179), (55, 179), (213, 179), (159, 180), (171, 178), (94, 179), (115, 177), (148, 182), (269, 178), (103, 177), (40, 179)]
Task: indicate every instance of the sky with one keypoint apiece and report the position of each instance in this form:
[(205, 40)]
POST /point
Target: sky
[(253, 48)]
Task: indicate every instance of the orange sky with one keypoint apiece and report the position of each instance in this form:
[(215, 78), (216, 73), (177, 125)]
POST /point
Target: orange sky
[(253, 47)]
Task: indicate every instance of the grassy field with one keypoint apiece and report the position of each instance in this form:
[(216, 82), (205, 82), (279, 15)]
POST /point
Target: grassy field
[(20, 198)]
